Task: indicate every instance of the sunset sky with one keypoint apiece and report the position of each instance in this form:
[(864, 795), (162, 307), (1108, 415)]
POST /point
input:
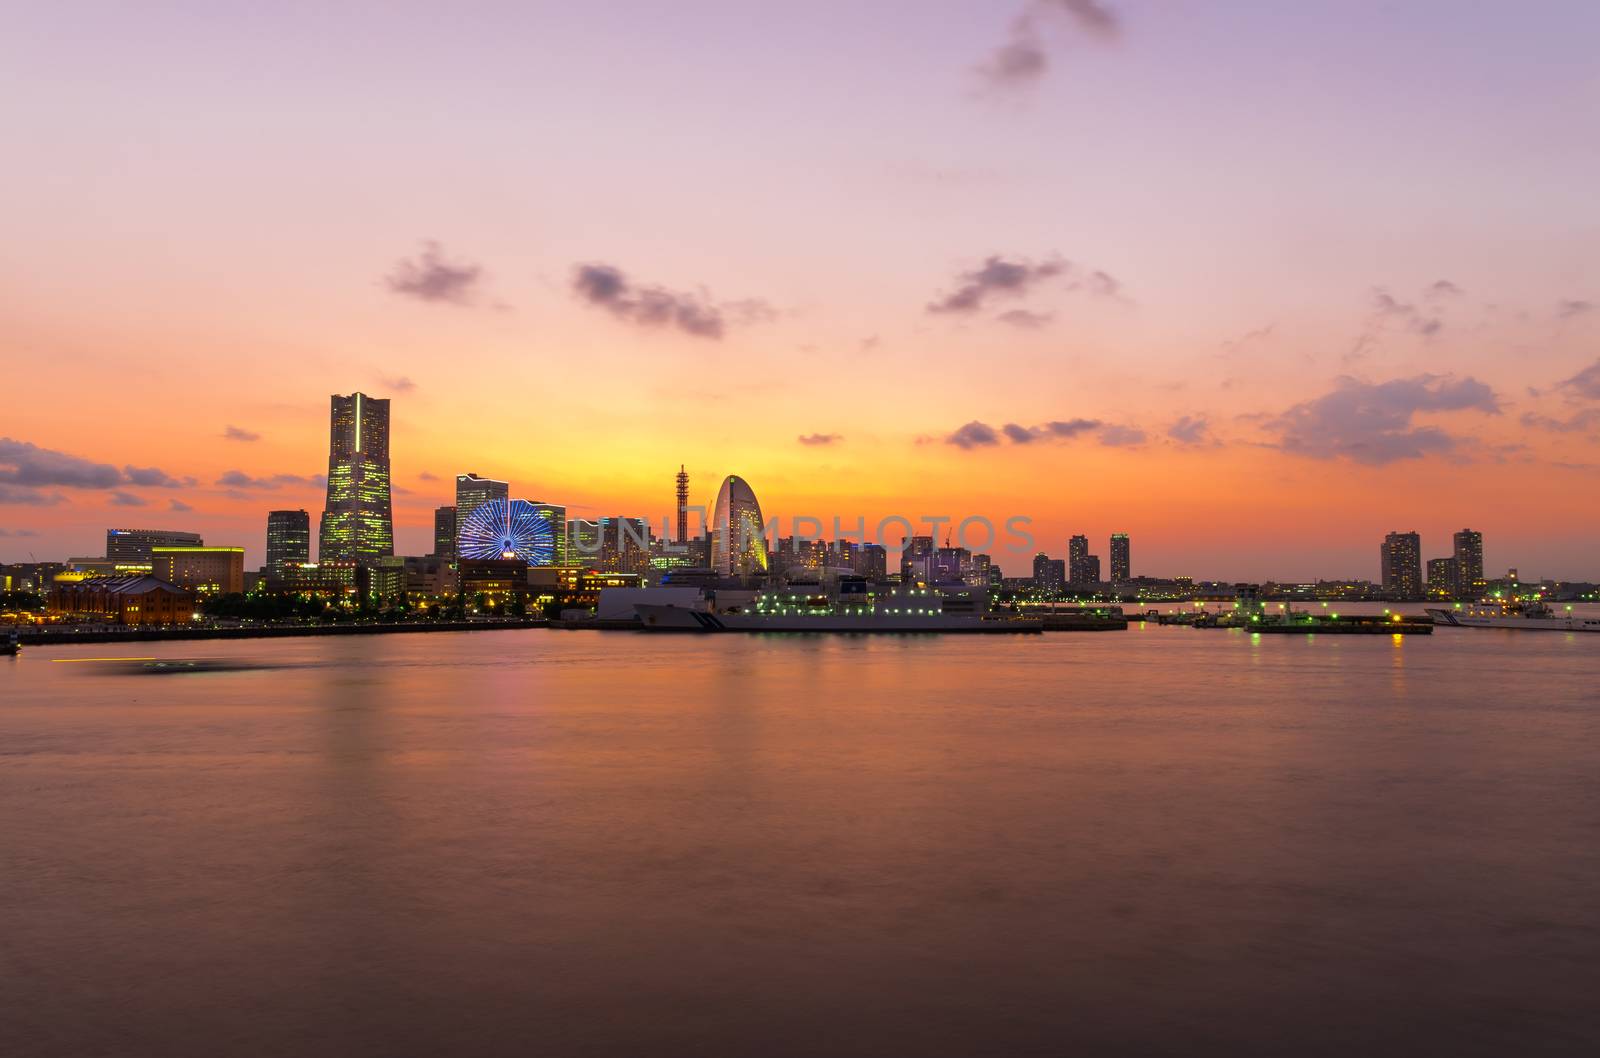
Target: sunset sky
[(1255, 282)]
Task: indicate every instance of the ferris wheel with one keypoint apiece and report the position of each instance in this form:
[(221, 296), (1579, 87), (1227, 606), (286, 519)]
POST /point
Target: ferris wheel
[(508, 529)]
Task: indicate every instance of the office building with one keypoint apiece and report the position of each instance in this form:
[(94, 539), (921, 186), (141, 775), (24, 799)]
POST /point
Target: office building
[(473, 492), (444, 532), (871, 561), (738, 535), (1121, 558), (358, 522), (207, 570), (1469, 563), (288, 539), (916, 561), (133, 545), (1400, 560)]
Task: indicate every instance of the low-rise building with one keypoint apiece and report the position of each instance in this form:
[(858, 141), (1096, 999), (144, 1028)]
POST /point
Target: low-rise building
[(135, 600)]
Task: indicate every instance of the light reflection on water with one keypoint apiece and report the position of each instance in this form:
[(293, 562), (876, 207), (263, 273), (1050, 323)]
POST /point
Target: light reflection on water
[(579, 843)]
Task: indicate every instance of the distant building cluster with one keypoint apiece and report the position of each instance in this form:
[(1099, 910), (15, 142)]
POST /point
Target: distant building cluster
[(493, 551)]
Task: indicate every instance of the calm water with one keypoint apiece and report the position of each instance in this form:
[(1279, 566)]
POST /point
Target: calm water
[(1158, 841)]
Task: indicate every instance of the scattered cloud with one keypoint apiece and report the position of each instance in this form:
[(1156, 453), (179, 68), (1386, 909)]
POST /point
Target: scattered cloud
[(178, 505), (997, 276), (1585, 383), (1566, 310), (428, 476), (820, 439), (1023, 59), (238, 433), (973, 435), (400, 384), (1388, 310), (126, 499), (1374, 423), (26, 464), (238, 479), (14, 496), (429, 277), (747, 312), (605, 286), (18, 534), (1442, 288), (1117, 436), (1025, 319), (1579, 422), (1191, 430)]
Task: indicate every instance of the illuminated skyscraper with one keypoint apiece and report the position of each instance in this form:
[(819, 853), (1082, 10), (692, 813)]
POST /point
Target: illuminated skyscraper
[(288, 539), (1469, 562), (473, 492), (738, 535), (1082, 567), (1121, 558), (358, 523), (556, 515), (1401, 564)]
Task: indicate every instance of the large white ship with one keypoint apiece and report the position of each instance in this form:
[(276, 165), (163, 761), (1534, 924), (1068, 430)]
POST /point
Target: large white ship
[(808, 608), (1528, 616)]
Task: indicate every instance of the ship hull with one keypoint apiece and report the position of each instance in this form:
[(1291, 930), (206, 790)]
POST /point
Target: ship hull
[(1453, 619)]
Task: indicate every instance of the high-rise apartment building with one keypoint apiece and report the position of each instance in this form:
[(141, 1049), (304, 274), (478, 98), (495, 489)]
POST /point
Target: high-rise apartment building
[(473, 492), (1443, 579), (288, 539), (133, 545), (1401, 564), (444, 532), (916, 560), (358, 522), (1049, 574), (1082, 567), (1469, 562), (1121, 558)]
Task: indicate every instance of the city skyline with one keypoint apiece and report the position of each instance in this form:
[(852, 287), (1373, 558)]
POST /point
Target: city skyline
[(1256, 304)]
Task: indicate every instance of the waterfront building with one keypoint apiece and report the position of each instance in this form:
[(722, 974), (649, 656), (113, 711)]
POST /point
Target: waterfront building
[(381, 578), (738, 534), (473, 492), (1401, 565), (555, 516), (615, 544), (1121, 558), (106, 567), (1469, 563), (980, 571), (358, 521), (1444, 580), (431, 576), (1049, 574), (207, 570), (133, 545), (327, 580), (288, 539), (135, 600), (444, 532), (494, 583), (951, 565)]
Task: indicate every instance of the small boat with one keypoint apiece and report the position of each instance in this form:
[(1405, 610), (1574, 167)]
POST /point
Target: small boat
[(10, 647), (1532, 616)]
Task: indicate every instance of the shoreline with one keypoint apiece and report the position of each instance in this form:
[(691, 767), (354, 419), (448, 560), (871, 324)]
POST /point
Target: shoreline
[(63, 637)]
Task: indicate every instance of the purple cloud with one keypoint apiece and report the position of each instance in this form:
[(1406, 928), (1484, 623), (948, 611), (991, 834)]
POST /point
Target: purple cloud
[(429, 277), (973, 435), (820, 439), (605, 286), (1372, 423), (237, 433)]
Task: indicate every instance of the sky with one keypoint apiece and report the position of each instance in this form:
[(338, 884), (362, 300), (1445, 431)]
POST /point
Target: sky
[(1254, 282)]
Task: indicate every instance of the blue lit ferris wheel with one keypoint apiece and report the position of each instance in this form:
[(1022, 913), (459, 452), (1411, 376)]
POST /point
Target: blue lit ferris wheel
[(508, 529)]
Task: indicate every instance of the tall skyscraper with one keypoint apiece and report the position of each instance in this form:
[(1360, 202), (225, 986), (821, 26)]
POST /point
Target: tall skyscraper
[(1401, 564), (288, 539), (1443, 580), (358, 523), (1121, 558), (133, 545), (473, 492), (556, 515), (444, 532), (1049, 574), (1469, 562), (738, 535), (683, 505)]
